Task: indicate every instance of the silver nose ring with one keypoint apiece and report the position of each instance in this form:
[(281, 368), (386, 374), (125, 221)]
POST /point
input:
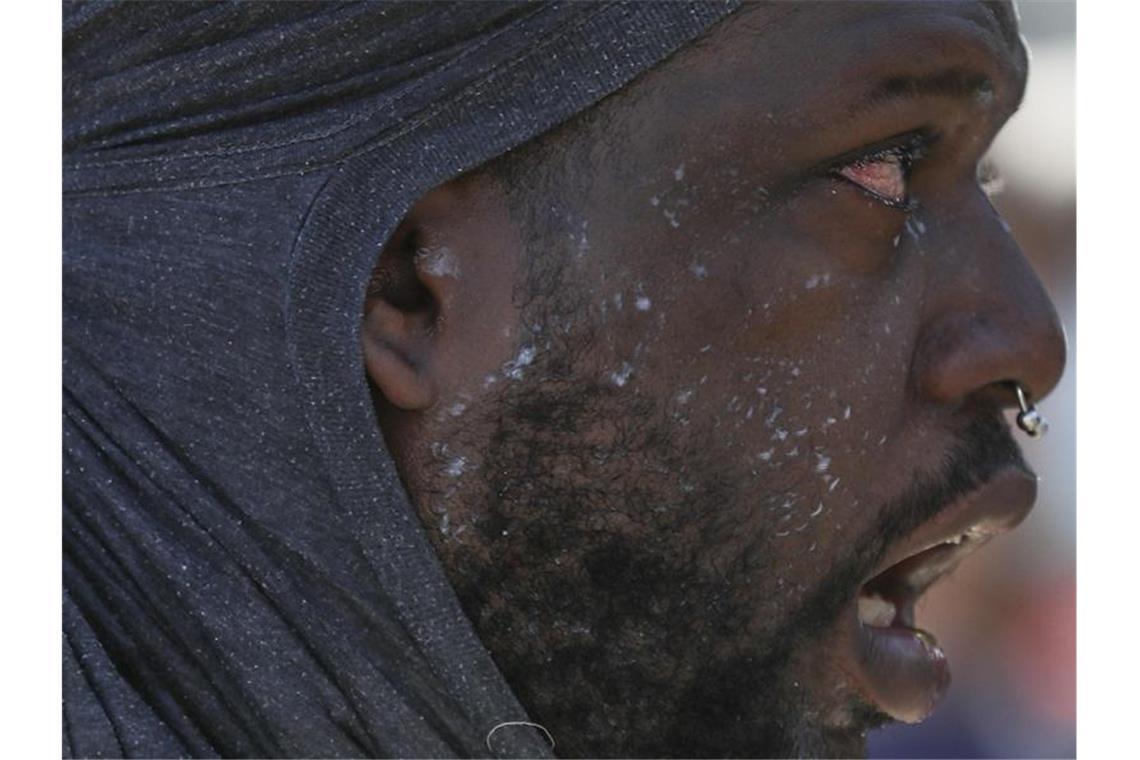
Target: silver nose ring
[(1029, 419)]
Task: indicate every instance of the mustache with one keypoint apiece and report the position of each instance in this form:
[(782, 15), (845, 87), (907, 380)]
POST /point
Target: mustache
[(983, 448)]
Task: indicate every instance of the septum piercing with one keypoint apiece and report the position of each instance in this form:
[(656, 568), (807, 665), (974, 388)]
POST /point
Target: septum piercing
[(1029, 419)]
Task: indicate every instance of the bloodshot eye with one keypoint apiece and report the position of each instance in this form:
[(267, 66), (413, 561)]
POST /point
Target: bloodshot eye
[(883, 175)]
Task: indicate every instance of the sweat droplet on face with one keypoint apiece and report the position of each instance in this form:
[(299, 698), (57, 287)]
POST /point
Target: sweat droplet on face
[(816, 280)]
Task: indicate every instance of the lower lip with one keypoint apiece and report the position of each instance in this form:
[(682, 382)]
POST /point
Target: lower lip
[(902, 670)]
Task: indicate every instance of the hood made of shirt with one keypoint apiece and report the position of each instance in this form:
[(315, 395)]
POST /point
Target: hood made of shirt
[(243, 573)]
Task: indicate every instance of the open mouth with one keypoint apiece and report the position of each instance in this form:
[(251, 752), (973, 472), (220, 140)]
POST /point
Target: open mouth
[(888, 599), (897, 665)]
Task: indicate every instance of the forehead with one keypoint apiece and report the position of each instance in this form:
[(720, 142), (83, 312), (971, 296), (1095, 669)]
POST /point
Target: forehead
[(814, 67), (843, 38)]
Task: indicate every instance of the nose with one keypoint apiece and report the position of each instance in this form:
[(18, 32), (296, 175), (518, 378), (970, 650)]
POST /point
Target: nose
[(987, 320)]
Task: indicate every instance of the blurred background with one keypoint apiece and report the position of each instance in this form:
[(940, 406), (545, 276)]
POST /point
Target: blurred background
[(1007, 618)]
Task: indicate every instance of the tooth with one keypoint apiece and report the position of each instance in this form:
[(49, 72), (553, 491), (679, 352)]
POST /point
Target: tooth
[(876, 611)]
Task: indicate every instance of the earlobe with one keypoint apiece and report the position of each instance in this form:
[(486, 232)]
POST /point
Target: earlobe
[(394, 359), (400, 312)]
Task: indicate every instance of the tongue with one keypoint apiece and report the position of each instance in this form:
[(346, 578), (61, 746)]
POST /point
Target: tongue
[(903, 670)]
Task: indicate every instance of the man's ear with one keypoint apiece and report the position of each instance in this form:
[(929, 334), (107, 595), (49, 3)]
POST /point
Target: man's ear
[(408, 296)]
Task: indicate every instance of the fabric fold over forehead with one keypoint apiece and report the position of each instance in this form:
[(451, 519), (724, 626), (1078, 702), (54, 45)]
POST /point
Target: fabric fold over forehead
[(190, 95), (243, 572)]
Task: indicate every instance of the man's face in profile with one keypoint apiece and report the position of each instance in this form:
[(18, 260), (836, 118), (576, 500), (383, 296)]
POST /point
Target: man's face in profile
[(739, 401)]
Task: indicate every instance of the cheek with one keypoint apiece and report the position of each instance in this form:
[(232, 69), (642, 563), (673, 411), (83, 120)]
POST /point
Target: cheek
[(858, 234), (774, 333), (799, 388)]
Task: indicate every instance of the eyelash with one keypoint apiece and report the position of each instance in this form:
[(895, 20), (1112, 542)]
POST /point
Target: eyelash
[(863, 170)]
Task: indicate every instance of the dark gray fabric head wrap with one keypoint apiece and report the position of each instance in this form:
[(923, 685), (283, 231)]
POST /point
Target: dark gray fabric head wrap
[(243, 574)]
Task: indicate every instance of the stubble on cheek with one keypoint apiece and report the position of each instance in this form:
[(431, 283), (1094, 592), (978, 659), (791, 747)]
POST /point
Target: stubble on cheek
[(618, 566)]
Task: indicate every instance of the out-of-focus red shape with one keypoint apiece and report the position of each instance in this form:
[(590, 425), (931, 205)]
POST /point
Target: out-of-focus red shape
[(1040, 642)]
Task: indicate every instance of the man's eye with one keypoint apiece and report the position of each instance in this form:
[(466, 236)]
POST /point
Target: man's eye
[(883, 175)]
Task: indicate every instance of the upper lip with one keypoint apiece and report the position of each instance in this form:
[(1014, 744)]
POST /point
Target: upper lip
[(959, 529)]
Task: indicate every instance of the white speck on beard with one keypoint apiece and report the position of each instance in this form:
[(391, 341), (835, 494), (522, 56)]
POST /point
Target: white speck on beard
[(621, 376), (514, 368)]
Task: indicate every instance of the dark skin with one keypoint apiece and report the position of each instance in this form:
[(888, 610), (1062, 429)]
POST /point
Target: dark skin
[(660, 448)]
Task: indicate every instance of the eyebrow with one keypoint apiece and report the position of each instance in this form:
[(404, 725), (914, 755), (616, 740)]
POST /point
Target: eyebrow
[(952, 83), (890, 82)]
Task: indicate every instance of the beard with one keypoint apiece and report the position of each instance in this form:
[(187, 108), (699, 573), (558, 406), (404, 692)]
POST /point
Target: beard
[(598, 548), (585, 569)]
